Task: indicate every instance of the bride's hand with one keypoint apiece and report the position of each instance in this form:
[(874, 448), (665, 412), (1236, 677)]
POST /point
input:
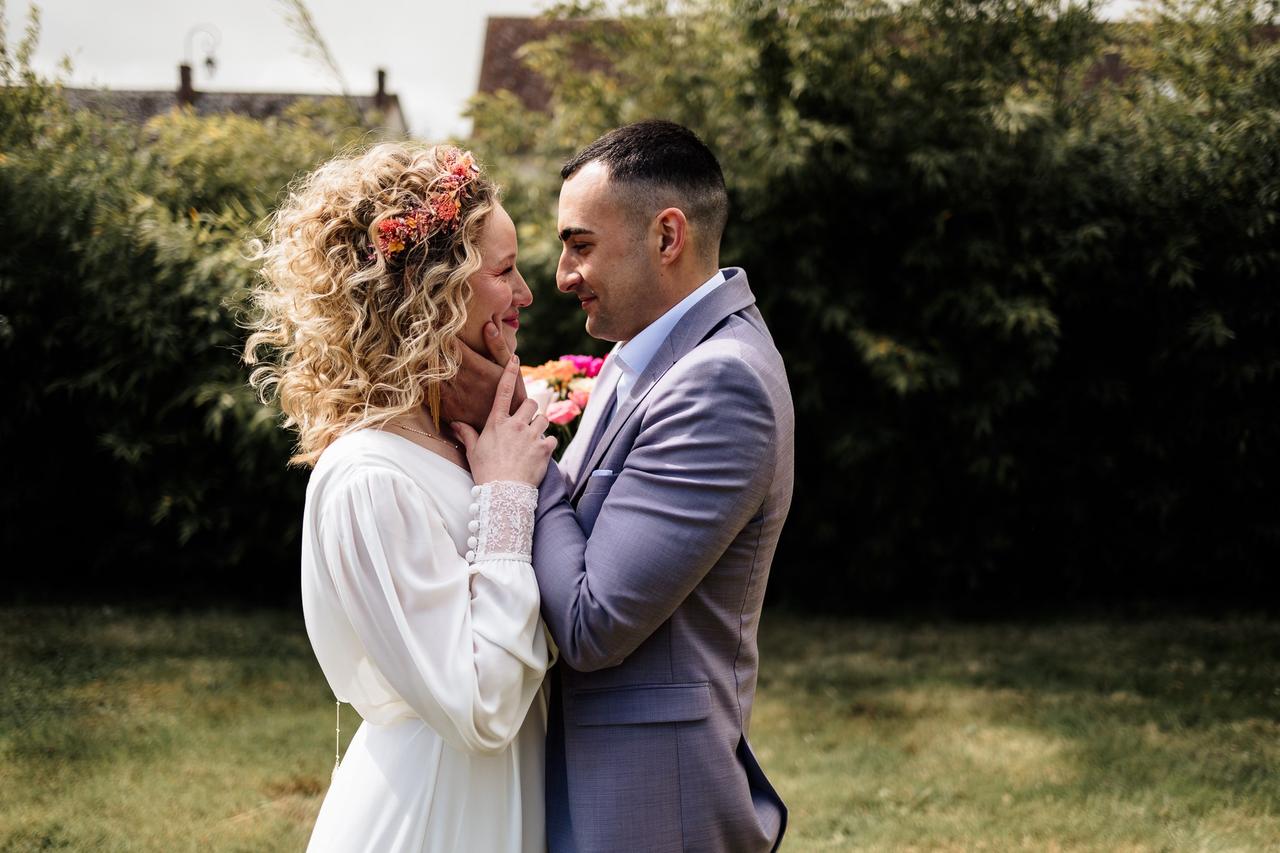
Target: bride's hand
[(512, 446), (469, 395), (500, 353)]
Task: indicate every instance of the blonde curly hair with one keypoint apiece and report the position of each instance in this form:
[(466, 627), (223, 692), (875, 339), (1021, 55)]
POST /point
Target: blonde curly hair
[(357, 337)]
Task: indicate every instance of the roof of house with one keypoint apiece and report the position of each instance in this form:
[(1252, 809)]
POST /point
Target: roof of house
[(501, 68), (140, 105)]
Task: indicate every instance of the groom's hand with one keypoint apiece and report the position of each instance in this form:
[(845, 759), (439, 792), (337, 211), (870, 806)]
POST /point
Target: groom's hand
[(468, 397)]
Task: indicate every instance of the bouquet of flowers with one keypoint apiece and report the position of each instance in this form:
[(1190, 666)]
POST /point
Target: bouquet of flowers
[(561, 389)]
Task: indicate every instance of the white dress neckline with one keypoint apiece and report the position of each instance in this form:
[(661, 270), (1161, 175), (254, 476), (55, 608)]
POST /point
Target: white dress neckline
[(454, 465)]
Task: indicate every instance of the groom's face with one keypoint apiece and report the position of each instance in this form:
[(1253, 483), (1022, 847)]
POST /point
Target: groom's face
[(605, 260)]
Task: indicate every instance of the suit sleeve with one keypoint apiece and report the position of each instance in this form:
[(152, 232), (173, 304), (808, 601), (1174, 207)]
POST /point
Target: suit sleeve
[(695, 476)]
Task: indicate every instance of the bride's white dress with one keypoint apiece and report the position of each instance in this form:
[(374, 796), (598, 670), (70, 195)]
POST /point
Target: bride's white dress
[(442, 657)]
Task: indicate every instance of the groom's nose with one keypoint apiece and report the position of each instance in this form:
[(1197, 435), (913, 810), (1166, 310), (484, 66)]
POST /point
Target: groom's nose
[(567, 280)]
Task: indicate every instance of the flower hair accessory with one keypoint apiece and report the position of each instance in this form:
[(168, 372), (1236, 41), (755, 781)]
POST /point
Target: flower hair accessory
[(440, 215)]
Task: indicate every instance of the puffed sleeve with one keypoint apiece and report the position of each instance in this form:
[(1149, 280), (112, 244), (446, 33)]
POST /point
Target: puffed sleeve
[(462, 644)]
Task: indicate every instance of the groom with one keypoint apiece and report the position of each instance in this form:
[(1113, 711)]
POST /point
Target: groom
[(655, 533)]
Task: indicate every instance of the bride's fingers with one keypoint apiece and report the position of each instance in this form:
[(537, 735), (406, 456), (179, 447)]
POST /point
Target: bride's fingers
[(506, 387), (520, 395), (525, 413), (465, 434), (496, 343)]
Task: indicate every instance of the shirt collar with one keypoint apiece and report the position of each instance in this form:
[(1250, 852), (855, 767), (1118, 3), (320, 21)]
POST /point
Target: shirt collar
[(634, 355)]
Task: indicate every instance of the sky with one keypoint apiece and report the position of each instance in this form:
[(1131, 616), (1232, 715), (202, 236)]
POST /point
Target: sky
[(430, 48)]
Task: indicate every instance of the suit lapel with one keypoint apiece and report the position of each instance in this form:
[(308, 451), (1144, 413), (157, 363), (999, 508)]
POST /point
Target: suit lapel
[(660, 364), (725, 300), (572, 459)]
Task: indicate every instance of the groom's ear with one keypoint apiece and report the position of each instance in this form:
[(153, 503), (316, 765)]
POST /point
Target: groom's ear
[(673, 234)]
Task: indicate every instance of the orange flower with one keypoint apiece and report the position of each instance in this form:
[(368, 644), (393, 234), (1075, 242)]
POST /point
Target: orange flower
[(445, 208), (560, 371), (441, 212)]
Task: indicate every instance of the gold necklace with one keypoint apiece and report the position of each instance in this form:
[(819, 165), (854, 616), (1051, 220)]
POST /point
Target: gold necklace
[(439, 438)]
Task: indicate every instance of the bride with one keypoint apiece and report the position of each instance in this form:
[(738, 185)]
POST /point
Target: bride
[(417, 591)]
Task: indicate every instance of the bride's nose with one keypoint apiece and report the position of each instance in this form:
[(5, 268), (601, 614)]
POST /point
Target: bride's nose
[(521, 295)]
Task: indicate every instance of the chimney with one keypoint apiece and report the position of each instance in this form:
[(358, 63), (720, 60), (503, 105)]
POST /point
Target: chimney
[(380, 98), (1111, 67), (186, 92)]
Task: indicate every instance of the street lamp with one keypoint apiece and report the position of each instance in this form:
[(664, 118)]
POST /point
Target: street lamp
[(211, 38)]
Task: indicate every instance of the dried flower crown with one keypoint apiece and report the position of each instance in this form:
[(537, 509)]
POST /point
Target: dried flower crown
[(440, 215)]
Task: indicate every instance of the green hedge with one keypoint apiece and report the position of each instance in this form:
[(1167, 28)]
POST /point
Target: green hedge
[(140, 461), (1029, 313)]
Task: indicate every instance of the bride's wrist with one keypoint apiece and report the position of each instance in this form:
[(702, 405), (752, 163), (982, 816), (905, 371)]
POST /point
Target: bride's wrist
[(501, 525), (484, 475)]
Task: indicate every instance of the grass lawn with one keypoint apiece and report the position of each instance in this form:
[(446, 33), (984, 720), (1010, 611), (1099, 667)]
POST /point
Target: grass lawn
[(214, 731)]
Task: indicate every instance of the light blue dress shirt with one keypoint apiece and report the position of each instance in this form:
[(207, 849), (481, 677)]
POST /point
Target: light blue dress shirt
[(634, 355)]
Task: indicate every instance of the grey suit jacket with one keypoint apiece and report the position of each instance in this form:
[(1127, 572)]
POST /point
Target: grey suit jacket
[(652, 574)]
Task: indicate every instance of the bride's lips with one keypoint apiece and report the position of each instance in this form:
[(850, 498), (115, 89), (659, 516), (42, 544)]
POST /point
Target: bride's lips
[(513, 321)]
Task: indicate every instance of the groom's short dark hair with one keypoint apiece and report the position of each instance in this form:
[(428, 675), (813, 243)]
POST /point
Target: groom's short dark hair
[(663, 162)]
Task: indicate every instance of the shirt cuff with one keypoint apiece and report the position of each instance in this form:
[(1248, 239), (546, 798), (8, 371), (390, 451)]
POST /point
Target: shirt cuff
[(501, 525)]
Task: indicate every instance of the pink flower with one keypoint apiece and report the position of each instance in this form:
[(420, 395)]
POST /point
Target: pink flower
[(580, 390), (563, 411), (440, 213), (587, 365)]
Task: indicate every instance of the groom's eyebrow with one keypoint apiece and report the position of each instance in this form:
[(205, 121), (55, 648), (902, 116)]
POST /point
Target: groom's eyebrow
[(566, 233)]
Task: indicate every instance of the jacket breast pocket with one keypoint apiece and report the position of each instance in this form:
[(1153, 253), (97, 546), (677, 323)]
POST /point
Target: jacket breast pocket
[(591, 501), (644, 703)]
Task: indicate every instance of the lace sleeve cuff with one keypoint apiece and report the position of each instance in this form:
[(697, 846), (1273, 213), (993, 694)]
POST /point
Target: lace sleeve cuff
[(501, 526)]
